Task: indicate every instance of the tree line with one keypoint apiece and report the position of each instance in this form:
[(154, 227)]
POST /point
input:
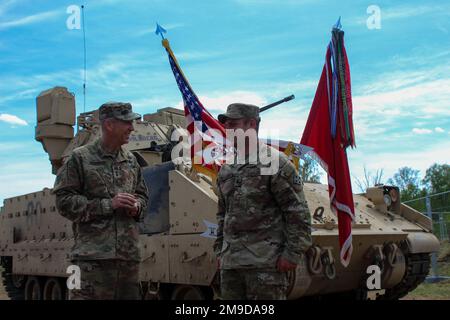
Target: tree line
[(435, 181), (407, 179)]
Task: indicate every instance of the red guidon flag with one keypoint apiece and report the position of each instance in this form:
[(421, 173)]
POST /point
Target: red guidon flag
[(329, 131)]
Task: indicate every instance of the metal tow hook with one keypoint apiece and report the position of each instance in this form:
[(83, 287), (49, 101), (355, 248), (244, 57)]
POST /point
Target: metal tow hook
[(150, 257), (390, 251), (314, 262), (318, 213), (19, 258), (153, 292), (328, 262), (376, 254), (43, 258)]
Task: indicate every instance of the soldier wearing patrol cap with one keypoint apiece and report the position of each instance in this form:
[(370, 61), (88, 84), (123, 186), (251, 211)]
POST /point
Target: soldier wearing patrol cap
[(264, 224), (100, 188)]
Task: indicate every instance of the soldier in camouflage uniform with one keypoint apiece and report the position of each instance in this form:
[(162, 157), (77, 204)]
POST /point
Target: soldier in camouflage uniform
[(264, 224), (100, 188)]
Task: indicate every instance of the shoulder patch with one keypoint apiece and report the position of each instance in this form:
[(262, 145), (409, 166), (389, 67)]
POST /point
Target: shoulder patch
[(297, 180)]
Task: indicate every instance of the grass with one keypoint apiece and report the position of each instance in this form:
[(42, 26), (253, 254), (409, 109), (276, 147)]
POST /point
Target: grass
[(3, 295), (444, 252), (431, 291)]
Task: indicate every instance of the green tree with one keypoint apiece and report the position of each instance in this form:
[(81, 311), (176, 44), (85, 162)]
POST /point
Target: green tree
[(408, 181), (437, 178), (309, 169), (437, 181)]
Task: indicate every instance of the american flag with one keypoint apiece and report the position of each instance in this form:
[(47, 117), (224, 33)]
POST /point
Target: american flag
[(200, 124)]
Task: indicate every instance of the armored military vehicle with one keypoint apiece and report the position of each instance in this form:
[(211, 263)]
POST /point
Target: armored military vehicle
[(178, 231)]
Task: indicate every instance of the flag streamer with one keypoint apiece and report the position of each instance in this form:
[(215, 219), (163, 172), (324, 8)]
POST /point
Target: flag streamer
[(329, 131)]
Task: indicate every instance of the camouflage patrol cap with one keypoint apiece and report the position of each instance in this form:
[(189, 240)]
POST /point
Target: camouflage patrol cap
[(118, 110), (240, 111)]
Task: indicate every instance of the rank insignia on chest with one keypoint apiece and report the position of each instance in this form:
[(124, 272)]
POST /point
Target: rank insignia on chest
[(238, 181), (116, 171)]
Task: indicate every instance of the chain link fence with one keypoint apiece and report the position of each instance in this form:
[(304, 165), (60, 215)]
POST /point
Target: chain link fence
[(436, 206)]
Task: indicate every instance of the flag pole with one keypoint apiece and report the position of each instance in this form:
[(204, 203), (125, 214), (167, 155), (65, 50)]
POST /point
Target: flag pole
[(166, 45)]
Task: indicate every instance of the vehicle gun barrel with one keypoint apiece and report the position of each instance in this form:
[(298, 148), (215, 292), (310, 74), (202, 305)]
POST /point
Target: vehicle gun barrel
[(269, 106)]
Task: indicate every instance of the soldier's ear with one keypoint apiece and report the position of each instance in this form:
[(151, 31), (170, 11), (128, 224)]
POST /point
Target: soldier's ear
[(108, 125)]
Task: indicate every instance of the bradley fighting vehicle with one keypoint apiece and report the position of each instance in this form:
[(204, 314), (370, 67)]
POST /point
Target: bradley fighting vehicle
[(177, 233)]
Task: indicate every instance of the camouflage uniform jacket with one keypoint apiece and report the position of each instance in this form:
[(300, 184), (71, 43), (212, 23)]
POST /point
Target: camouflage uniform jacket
[(84, 188), (261, 217)]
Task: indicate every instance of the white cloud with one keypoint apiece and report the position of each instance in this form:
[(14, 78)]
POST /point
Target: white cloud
[(30, 19), (149, 105), (129, 70), (19, 95), (395, 97), (441, 28), (12, 119), (4, 6), (108, 74), (196, 55), (426, 97), (421, 131), (114, 76), (277, 90), (7, 147), (439, 129), (391, 161), (25, 148), (287, 124), (407, 12), (217, 103), (400, 12), (419, 56), (25, 177)]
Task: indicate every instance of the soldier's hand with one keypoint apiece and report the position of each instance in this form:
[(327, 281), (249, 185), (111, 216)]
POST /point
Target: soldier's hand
[(284, 265), (125, 201), (134, 212)]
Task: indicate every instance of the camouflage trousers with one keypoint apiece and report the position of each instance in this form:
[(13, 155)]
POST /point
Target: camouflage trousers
[(107, 280), (253, 284)]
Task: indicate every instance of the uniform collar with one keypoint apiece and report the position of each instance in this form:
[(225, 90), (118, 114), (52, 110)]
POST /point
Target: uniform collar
[(261, 148), (119, 156)]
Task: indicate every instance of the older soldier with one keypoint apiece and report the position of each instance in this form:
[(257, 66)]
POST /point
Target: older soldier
[(100, 188), (264, 221)]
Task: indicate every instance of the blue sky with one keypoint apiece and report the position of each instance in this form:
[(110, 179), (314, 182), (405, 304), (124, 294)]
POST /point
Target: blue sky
[(231, 50)]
